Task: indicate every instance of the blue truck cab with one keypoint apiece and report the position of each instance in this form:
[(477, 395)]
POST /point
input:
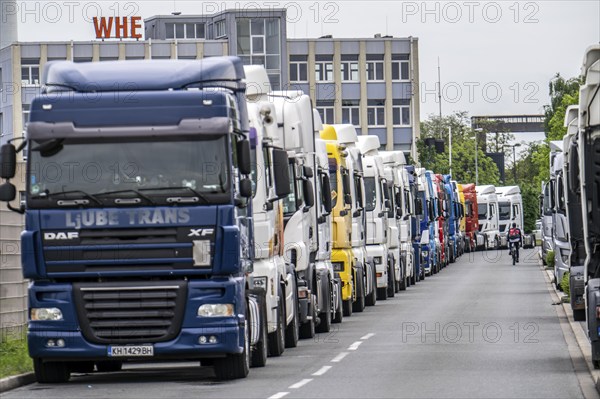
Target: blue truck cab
[(138, 228), (416, 218), (452, 218), (434, 240)]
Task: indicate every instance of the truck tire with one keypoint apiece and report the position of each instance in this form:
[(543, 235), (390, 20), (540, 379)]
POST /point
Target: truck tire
[(277, 338), (109, 366), (81, 367), (307, 330), (347, 305), (259, 353), (371, 298), (51, 372), (235, 366), (339, 313), (391, 288), (359, 305), (324, 325), (291, 331), (579, 314)]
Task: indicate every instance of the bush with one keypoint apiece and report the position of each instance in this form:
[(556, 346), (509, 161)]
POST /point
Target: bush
[(550, 259), (564, 284), (14, 357)]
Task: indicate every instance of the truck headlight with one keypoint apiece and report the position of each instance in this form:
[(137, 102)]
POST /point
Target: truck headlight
[(260, 282), (564, 255), (201, 252), (46, 314), (215, 310), (377, 260)]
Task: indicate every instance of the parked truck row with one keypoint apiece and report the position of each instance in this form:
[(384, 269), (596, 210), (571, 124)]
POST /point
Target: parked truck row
[(569, 203), (184, 210)]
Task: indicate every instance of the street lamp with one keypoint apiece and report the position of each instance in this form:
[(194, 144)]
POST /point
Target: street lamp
[(479, 129), (515, 161)]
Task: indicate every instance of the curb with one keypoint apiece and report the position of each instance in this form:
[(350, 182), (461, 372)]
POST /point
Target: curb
[(578, 330), (15, 381)]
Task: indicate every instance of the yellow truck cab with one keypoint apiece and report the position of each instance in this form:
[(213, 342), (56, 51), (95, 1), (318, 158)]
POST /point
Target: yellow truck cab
[(342, 257)]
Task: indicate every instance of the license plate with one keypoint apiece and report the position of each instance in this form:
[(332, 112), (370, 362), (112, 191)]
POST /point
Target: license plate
[(131, 351)]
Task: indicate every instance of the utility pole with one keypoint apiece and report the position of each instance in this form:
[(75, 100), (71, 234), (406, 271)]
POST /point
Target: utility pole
[(440, 96), (450, 149)]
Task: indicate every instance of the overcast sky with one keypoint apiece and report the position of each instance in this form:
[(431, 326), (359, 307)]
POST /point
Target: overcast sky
[(496, 56)]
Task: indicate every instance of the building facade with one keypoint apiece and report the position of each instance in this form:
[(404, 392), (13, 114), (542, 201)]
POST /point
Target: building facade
[(372, 83)]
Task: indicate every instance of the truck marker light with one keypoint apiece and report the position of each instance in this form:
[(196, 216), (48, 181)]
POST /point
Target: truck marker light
[(215, 310), (46, 314)]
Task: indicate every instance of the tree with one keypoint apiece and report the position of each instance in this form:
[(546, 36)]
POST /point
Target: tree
[(463, 150)]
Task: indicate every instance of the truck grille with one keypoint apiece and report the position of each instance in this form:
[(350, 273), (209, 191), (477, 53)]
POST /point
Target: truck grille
[(130, 313)]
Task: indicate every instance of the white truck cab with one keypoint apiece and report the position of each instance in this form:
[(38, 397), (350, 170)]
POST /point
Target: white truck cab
[(487, 208), (510, 210)]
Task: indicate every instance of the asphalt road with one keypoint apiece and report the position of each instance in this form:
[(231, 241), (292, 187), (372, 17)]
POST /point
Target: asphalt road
[(481, 328)]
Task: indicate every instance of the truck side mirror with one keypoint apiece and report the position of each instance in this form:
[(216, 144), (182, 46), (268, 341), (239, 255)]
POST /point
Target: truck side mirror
[(307, 171), (8, 192), (243, 157), (347, 199), (8, 161), (309, 194), (387, 204), (281, 173), (326, 187), (246, 188), (418, 206)]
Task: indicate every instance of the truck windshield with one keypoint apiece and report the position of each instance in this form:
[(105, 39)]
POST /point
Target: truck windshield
[(482, 211), (128, 172), (370, 193), (504, 208)]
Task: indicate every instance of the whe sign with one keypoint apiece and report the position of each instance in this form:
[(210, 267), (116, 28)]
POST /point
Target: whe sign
[(118, 27)]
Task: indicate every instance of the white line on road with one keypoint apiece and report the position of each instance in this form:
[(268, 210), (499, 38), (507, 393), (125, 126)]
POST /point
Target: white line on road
[(322, 370), (369, 335), (355, 346), (339, 357), (278, 395), (300, 383)]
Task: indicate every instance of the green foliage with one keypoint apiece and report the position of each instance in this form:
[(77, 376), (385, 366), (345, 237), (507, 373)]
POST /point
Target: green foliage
[(550, 259), (463, 150), (564, 284), (14, 358)]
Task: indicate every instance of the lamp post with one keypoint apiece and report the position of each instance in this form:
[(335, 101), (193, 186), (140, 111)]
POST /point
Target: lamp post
[(515, 161), (450, 145), (479, 129)]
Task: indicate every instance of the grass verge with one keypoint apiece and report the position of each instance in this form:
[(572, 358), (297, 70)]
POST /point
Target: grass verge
[(14, 358)]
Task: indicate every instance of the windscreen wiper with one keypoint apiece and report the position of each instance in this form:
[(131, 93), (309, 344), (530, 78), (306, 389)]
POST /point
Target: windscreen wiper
[(199, 196), (125, 201), (46, 195)]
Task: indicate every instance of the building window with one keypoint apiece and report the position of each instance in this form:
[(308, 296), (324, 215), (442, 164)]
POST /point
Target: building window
[(324, 68), (326, 110), (401, 112), (400, 67), (350, 68), (351, 112), (376, 112), (1, 86), (375, 67), (1, 125), (82, 59), (259, 43), (219, 28), (30, 72), (184, 31), (298, 68)]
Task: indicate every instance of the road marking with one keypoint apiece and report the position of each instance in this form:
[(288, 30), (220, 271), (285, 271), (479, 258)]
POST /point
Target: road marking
[(322, 370), (339, 357), (278, 395), (355, 346), (300, 383), (369, 335)]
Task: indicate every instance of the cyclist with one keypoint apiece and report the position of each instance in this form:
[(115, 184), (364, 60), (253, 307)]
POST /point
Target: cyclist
[(515, 239)]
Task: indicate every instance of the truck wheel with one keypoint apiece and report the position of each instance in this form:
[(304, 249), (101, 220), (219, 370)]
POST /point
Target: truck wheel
[(339, 313), (347, 305), (596, 364), (371, 298), (291, 331), (277, 338), (237, 365), (391, 288), (51, 372), (325, 316), (579, 315), (259, 351), (359, 305), (109, 366), (307, 330)]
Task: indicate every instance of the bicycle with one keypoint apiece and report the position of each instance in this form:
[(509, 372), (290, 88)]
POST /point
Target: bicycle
[(514, 251)]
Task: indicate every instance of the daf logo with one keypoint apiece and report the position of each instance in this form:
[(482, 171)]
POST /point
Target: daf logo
[(61, 236), (201, 232)]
